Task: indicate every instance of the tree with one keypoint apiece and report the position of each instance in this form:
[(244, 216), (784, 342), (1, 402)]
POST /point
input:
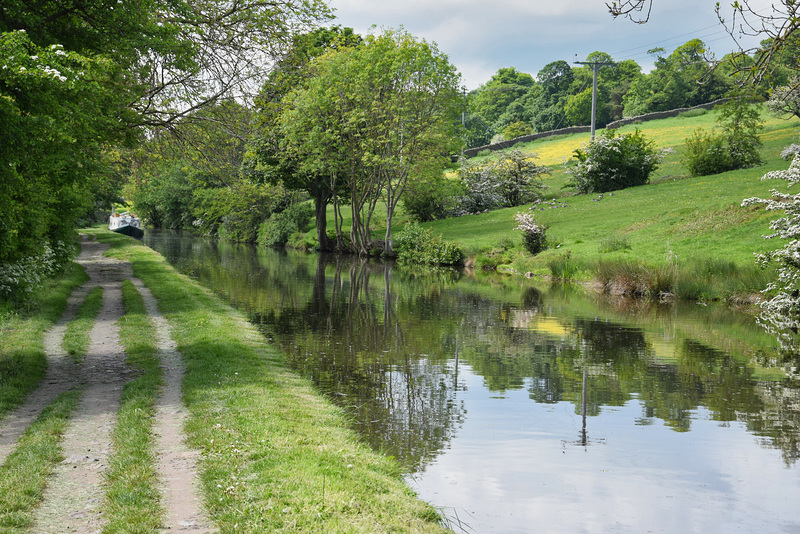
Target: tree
[(369, 115), (684, 78), (777, 27), (781, 313), (81, 79), (500, 102), (266, 161)]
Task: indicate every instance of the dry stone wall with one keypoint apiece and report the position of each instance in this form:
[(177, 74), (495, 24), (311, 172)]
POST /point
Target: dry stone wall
[(472, 152)]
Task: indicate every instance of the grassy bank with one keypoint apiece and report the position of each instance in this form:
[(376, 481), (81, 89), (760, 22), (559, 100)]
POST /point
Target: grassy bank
[(22, 358), (689, 236), (276, 456)]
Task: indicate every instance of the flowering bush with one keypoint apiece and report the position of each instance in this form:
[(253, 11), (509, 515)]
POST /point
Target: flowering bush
[(511, 180), (533, 235), (781, 313), (612, 162)]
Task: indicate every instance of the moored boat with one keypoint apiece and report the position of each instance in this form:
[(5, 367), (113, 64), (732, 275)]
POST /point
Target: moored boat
[(126, 223)]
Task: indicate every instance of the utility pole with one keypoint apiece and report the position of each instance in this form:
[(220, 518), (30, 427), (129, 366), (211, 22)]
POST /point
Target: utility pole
[(595, 66)]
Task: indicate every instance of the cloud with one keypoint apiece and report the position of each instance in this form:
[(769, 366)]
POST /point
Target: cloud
[(481, 37)]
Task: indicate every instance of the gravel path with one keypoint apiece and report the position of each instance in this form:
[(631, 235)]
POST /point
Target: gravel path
[(74, 494)]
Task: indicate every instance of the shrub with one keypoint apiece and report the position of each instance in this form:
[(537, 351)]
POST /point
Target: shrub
[(706, 154), (533, 235), (517, 129), (414, 244), (276, 231), (735, 147), (19, 280), (613, 162), (431, 199), (512, 180)]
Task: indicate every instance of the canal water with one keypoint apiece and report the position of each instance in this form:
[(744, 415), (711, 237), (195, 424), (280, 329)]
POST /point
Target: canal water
[(514, 407)]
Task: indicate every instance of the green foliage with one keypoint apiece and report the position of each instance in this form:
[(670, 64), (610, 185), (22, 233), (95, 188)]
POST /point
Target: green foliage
[(735, 147), (367, 119), (431, 198), (415, 244), (237, 211), (517, 129), (614, 244), (613, 162), (279, 228)]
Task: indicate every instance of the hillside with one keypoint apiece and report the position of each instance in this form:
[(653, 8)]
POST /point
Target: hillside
[(676, 220)]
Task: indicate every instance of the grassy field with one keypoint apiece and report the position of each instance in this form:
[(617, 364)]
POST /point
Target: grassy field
[(693, 227)]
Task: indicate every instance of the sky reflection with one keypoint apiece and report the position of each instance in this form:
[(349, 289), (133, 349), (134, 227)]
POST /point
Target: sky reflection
[(517, 468)]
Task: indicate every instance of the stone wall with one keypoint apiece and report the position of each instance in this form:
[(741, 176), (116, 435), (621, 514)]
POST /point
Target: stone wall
[(472, 152)]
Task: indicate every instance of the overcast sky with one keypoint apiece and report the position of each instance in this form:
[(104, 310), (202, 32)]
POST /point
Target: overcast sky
[(481, 37)]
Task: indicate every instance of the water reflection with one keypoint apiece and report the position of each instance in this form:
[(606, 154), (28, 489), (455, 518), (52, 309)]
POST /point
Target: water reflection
[(478, 387)]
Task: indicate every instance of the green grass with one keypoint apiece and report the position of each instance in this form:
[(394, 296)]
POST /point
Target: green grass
[(132, 501), (674, 220), (23, 477), (23, 362), (276, 456), (76, 337)]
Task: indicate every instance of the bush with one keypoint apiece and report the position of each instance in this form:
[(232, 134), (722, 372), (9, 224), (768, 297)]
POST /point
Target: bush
[(706, 154), (414, 244), (533, 235), (276, 231), (736, 147), (431, 199), (511, 180), (613, 162), (517, 129)]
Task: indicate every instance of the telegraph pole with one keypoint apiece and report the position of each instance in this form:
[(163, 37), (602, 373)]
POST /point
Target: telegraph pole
[(595, 66)]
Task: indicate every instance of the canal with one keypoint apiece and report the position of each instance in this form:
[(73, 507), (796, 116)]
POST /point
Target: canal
[(516, 407)]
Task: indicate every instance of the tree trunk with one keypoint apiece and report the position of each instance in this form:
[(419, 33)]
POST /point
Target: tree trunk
[(321, 213)]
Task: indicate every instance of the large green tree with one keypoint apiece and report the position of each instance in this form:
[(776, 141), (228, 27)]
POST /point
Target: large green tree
[(266, 160), (80, 78), (370, 115)]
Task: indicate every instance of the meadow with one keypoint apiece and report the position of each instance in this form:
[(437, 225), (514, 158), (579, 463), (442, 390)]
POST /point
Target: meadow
[(691, 230)]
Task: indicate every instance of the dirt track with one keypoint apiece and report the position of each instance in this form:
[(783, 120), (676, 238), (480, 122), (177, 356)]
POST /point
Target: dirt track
[(75, 492)]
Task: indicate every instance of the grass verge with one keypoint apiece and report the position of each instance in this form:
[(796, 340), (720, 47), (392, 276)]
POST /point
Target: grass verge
[(276, 456), (132, 494), (23, 477), (76, 337), (23, 361)]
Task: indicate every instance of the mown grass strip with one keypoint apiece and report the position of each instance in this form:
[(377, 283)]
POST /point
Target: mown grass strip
[(132, 502), (23, 362), (23, 477), (276, 456), (76, 337)]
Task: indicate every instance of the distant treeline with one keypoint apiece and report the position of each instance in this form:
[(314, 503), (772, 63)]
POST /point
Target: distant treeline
[(515, 104)]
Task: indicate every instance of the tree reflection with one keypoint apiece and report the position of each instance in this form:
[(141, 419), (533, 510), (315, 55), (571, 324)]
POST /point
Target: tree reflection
[(386, 341)]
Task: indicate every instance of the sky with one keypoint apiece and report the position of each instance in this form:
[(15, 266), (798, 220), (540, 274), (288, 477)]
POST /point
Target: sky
[(481, 37)]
